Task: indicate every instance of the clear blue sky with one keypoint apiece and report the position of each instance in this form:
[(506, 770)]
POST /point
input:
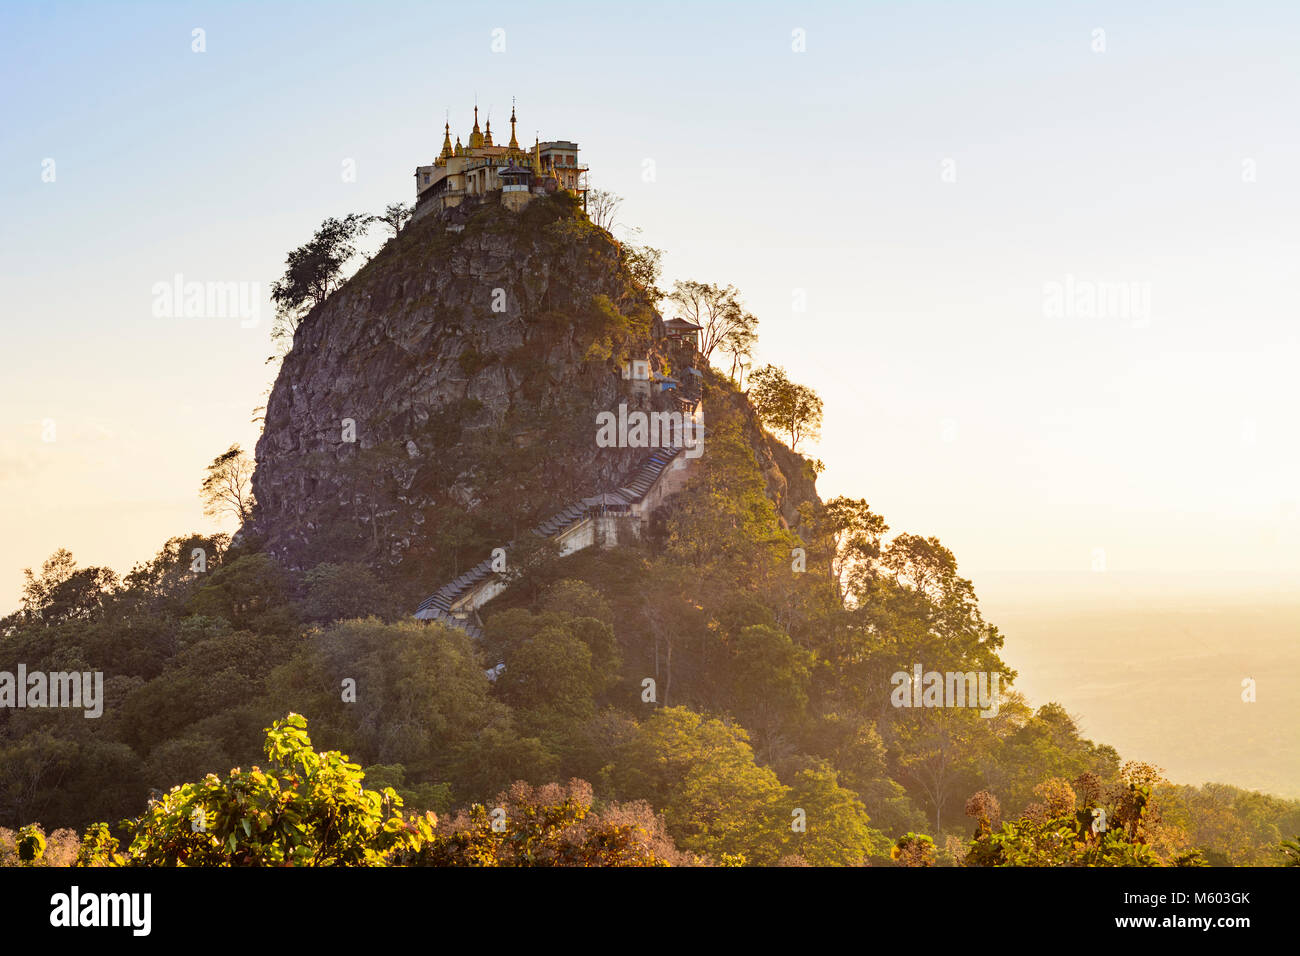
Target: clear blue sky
[(954, 404)]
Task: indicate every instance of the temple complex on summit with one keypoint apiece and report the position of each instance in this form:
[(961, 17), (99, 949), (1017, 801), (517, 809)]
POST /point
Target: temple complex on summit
[(482, 168)]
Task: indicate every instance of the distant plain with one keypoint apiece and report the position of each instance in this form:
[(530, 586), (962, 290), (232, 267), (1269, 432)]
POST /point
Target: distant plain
[(1162, 681)]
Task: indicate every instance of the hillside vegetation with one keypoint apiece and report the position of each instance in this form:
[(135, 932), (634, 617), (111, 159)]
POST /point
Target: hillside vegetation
[(718, 692)]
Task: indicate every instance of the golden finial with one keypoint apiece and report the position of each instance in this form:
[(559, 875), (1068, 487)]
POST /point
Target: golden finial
[(446, 143), (475, 137)]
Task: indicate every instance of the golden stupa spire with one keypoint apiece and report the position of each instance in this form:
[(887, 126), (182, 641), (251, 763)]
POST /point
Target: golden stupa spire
[(475, 137), (487, 133), (514, 143), (537, 155), (459, 151), (446, 143)]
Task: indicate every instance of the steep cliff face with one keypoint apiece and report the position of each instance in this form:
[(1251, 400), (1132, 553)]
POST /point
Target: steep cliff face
[(445, 398), (790, 478)]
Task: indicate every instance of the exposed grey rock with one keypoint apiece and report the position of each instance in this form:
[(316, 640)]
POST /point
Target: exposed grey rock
[(456, 406)]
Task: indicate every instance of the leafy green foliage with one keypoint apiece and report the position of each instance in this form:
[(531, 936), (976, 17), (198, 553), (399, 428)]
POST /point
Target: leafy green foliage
[(644, 264), (251, 592), (1290, 850), (336, 592), (701, 773), (63, 592), (312, 809), (31, 847), (785, 406), (839, 831), (31, 844), (305, 809)]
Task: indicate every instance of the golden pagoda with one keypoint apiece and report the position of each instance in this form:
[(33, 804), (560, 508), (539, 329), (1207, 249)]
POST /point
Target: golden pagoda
[(481, 170)]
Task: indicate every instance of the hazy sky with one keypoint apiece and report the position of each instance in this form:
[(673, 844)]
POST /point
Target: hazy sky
[(927, 180)]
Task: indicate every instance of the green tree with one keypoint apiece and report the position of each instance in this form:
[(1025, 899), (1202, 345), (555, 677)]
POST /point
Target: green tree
[(404, 693), (846, 537), (938, 753), (838, 831), (1047, 743), (1290, 850), (856, 749), (701, 774), (724, 521), (313, 271), (305, 809), (63, 592), (348, 590), (644, 264), (210, 678), (783, 405), (160, 585), (313, 809), (252, 592), (771, 677), (551, 678)]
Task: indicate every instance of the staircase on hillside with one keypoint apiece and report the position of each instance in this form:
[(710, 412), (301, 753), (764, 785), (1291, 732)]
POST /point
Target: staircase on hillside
[(456, 602)]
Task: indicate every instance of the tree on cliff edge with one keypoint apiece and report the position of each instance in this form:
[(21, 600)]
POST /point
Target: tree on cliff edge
[(313, 271), (717, 310), (226, 487), (602, 208), (784, 405), (395, 216)]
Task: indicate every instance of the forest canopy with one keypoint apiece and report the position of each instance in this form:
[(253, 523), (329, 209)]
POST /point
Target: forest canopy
[(724, 696)]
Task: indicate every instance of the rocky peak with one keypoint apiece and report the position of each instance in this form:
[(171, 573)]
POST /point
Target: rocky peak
[(446, 397)]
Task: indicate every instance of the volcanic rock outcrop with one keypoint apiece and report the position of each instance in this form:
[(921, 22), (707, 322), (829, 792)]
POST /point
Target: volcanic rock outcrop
[(445, 398)]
